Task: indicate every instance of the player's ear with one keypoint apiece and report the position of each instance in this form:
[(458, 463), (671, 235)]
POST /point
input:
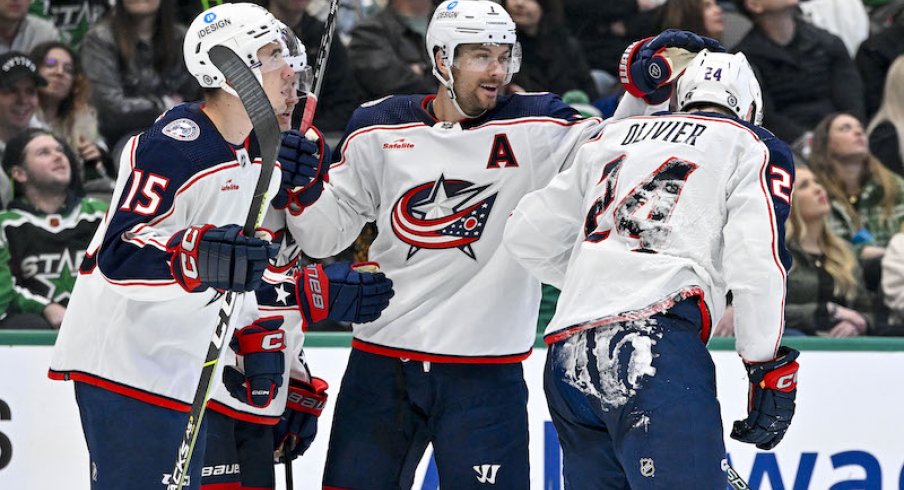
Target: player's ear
[(441, 63)]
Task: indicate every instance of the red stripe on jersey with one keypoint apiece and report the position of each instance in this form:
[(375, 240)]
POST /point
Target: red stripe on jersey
[(243, 416), (774, 226), (222, 486), (653, 309), (423, 356), (140, 395), (707, 320)]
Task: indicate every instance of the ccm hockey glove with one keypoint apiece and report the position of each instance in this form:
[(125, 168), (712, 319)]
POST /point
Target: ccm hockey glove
[(305, 166), (773, 387), (218, 257), (648, 66), (261, 345), (297, 427), (341, 292)]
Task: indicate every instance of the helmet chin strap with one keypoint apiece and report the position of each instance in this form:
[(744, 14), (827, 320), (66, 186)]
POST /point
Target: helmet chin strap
[(450, 88)]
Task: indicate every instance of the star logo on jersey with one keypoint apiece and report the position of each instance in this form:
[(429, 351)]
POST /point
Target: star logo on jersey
[(279, 295), (55, 273), (282, 296), (441, 215)]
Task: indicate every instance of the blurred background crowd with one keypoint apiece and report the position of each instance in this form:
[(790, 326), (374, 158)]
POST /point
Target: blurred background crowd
[(78, 78)]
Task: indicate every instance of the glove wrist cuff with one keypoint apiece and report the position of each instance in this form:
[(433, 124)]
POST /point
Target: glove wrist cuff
[(307, 398), (313, 293)]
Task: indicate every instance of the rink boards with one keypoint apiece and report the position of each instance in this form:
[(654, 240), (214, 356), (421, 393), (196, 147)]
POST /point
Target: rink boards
[(848, 432)]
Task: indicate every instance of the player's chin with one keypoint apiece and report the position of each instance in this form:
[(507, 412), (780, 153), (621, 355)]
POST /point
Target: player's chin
[(285, 121)]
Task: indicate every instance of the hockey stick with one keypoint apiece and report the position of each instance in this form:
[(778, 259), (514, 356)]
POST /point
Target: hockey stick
[(289, 483), (326, 42), (266, 129), (734, 479)]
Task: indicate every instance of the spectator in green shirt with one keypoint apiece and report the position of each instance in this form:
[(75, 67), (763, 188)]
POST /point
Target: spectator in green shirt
[(44, 233)]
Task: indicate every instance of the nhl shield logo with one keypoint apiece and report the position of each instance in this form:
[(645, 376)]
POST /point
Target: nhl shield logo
[(646, 467), (182, 130)]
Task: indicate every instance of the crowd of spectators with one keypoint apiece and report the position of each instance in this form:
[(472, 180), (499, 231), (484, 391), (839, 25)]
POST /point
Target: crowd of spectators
[(79, 77)]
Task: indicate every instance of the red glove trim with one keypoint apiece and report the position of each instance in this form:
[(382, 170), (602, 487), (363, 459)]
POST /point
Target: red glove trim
[(183, 252), (624, 67), (782, 379), (308, 398), (316, 291), (263, 341)]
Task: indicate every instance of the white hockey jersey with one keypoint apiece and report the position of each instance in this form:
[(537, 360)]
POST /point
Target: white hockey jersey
[(440, 194), (129, 326), (275, 298), (659, 209)]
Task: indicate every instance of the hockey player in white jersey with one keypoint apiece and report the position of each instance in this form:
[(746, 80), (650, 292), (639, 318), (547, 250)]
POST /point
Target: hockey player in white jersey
[(439, 174), (656, 220), (243, 433), (146, 302)]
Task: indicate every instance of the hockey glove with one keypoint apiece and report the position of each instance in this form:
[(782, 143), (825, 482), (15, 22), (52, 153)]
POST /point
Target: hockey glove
[(305, 165), (648, 66), (342, 292), (218, 257), (261, 345), (297, 427), (773, 387)]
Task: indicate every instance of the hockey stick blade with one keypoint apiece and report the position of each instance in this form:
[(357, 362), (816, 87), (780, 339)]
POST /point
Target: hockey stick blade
[(266, 130), (323, 56)]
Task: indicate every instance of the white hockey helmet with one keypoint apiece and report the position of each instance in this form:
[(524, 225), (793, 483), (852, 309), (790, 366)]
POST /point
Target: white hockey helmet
[(725, 80), (242, 27), (457, 22)]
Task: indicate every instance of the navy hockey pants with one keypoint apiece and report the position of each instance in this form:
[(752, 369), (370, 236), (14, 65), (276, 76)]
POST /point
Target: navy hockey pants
[(133, 445), (388, 411), (635, 405), (239, 454)]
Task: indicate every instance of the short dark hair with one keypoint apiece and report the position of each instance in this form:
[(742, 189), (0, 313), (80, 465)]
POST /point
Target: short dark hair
[(15, 156)]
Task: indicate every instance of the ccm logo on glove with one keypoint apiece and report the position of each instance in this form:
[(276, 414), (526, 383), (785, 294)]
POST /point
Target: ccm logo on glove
[(784, 379), (189, 263)]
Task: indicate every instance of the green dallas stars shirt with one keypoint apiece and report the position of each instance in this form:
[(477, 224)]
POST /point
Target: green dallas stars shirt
[(40, 253)]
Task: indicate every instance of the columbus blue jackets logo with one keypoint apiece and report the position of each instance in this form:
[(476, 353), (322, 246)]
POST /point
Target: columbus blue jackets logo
[(182, 130), (441, 215)]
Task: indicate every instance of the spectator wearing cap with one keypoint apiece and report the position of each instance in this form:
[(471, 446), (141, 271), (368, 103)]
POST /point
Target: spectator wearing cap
[(21, 31), (45, 231), (19, 83)]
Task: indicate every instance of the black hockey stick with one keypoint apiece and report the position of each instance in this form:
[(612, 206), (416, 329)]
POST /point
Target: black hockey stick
[(734, 479), (266, 129), (307, 118), (326, 42), (289, 483)]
